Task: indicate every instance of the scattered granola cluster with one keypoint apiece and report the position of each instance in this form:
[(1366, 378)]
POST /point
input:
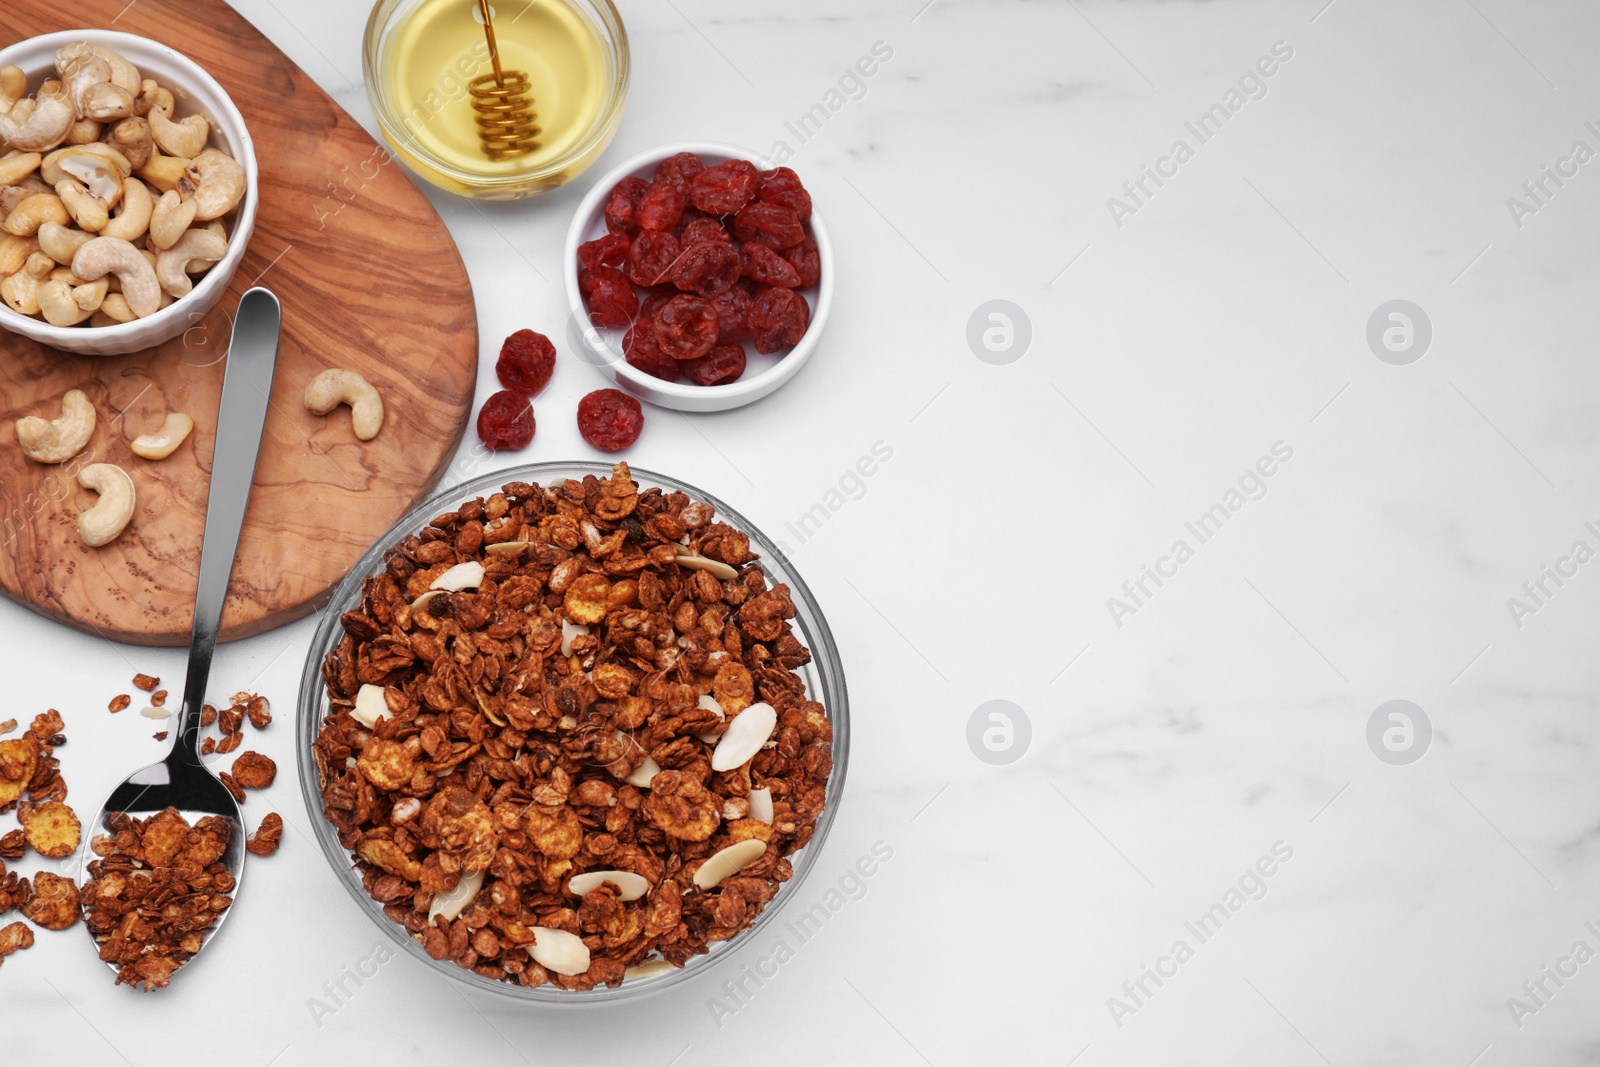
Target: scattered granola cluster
[(158, 885), (48, 826), (567, 737)]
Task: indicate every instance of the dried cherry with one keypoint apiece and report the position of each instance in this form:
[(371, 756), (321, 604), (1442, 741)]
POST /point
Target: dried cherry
[(732, 307), (527, 359), (608, 251), (709, 267), (724, 188), (656, 299), (764, 265), (622, 210), (778, 319), (662, 205), (608, 295), (768, 224), (651, 257), (686, 327), (723, 364), (679, 169), (782, 186), (704, 228), (639, 348), (610, 419), (505, 422), (807, 262)]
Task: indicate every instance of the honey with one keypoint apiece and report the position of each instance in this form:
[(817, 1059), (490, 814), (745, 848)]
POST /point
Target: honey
[(427, 51)]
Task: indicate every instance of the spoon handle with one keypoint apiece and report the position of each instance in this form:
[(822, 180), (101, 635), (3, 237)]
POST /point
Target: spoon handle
[(246, 387)]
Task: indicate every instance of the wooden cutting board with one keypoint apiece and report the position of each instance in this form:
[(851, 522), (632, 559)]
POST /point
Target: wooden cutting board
[(369, 279)]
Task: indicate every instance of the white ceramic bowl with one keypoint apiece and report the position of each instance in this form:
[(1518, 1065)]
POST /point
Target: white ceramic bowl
[(603, 347), (196, 91)]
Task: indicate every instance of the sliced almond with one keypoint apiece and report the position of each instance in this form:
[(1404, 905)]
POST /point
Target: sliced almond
[(453, 903), (642, 777), (709, 703), (155, 713), (761, 805), (698, 562), (371, 706), (569, 630), (744, 737), (468, 575), (729, 861), (631, 886), (647, 969), (505, 548), (559, 951)]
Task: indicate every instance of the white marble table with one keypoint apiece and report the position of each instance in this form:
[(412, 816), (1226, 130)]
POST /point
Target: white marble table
[(1186, 738)]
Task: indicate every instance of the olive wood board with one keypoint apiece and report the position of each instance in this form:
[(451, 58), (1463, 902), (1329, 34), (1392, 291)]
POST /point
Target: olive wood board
[(369, 279)]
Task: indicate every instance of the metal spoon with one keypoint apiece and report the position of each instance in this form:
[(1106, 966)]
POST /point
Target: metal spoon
[(181, 780)]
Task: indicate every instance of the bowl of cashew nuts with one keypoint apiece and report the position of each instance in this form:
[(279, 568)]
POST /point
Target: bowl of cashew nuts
[(128, 191)]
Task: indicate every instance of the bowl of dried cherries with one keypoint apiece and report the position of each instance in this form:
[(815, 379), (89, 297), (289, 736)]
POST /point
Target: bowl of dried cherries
[(698, 280), (572, 733)]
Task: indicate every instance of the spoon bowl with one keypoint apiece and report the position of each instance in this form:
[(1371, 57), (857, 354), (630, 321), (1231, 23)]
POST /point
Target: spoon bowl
[(182, 781)]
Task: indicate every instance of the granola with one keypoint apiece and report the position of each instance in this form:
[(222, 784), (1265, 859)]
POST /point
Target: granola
[(562, 715), (157, 886)]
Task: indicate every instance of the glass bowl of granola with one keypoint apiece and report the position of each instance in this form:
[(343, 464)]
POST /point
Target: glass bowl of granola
[(572, 733)]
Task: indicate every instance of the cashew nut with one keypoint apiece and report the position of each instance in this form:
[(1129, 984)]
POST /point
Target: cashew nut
[(107, 102), (184, 138), (46, 125), (133, 215), (219, 183), (164, 172), (36, 210), (12, 195), (115, 309), (132, 137), (110, 514), (58, 306), (161, 445), (14, 252), (195, 251), (333, 387), (90, 295), (153, 96), (170, 218), (21, 289), (16, 165), (60, 242), (81, 70), (84, 131), (13, 86), (60, 439), (123, 73), (87, 211), (98, 166), (112, 255)]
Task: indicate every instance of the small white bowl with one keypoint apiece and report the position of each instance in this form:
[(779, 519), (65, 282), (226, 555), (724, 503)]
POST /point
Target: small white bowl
[(603, 347), (196, 91)]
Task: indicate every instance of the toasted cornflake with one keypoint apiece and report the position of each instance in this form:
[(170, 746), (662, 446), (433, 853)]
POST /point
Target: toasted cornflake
[(55, 901), (119, 702), (15, 937), (229, 742), (254, 771), (146, 682), (160, 735), (157, 887), (19, 759), (232, 785), (7, 726), (13, 844), (51, 828), (259, 712), (523, 772)]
